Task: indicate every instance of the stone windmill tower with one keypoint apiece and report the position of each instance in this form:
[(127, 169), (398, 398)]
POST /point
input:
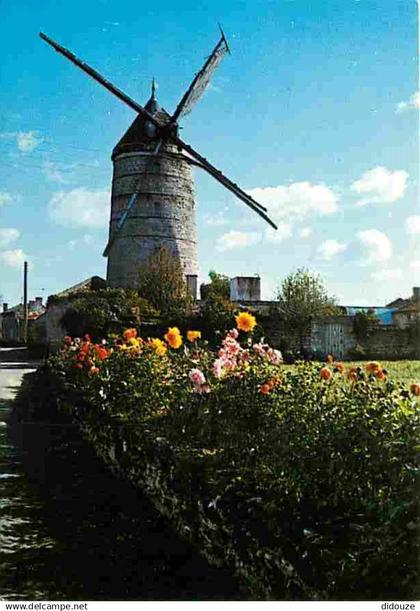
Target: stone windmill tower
[(152, 201)]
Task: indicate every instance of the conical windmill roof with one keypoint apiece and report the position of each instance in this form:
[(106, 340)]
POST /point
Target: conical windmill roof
[(141, 131)]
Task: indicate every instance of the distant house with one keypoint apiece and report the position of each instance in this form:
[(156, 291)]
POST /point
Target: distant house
[(48, 329), (12, 320), (391, 339)]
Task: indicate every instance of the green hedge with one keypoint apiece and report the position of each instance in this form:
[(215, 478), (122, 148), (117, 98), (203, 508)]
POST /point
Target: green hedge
[(305, 485)]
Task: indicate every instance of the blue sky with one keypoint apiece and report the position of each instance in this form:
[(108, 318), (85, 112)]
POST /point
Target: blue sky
[(316, 113)]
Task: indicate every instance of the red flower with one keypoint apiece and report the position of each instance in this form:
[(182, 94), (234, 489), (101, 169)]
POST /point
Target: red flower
[(325, 373), (265, 389), (101, 352)]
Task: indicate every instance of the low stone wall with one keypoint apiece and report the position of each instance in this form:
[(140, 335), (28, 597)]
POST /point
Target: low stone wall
[(174, 482), (391, 343)]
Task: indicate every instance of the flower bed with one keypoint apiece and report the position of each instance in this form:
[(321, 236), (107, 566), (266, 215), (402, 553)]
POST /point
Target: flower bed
[(302, 479)]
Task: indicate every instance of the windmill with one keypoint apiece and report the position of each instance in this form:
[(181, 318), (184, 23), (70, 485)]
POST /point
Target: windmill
[(152, 201)]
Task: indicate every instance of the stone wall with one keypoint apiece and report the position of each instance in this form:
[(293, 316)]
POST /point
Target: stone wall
[(163, 214)]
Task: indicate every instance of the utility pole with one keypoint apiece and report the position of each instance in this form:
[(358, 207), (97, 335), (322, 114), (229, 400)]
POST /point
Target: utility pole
[(25, 302)]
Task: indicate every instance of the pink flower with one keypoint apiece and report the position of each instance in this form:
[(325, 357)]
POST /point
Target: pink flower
[(234, 333), (197, 377), (274, 356), (231, 345)]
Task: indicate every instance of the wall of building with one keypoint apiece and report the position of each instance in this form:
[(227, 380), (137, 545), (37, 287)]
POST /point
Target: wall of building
[(163, 214)]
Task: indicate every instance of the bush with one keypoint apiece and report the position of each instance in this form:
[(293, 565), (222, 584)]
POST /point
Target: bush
[(102, 312), (311, 470)]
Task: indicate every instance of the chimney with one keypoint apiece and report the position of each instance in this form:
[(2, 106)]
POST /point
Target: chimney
[(191, 280), (245, 288), (38, 302), (5, 307), (416, 293)]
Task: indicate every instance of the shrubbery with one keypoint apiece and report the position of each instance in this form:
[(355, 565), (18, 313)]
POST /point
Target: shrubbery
[(315, 463)]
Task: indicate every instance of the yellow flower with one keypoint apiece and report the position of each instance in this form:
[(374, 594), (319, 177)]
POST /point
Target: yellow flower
[(173, 337), (192, 336), (158, 346), (134, 341), (245, 321)]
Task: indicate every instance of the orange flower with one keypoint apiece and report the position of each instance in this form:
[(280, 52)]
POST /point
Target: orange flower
[(273, 382), (330, 359), (381, 375), (129, 334), (339, 367), (93, 371), (325, 373), (373, 367), (193, 336), (245, 322), (173, 337), (415, 390), (265, 389), (352, 374)]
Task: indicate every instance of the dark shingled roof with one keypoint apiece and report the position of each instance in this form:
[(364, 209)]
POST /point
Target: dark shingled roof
[(141, 131)]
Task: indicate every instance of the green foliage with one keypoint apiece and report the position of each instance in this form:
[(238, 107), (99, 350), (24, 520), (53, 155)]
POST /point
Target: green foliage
[(106, 311), (313, 482), (162, 283), (217, 287), (358, 352), (301, 297), (364, 323), (217, 310)]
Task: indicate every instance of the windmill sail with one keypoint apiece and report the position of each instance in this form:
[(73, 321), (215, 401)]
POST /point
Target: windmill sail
[(100, 79), (201, 80)]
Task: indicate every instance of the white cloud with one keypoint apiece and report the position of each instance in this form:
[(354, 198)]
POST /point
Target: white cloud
[(7, 236), (27, 141), (53, 173), (380, 186), (305, 232), (87, 239), (217, 220), (377, 245), (410, 104), (80, 208), (236, 239), (297, 200), (331, 248), (5, 198), (283, 232), (412, 225), (13, 258), (387, 275)]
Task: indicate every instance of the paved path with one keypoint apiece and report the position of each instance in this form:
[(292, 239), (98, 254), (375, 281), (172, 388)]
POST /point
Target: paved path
[(69, 530), (14, 363)]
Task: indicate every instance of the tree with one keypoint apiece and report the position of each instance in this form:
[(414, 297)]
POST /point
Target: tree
[(162, 283), (301, 297), (217, 287), (364, 323), (217, 310)]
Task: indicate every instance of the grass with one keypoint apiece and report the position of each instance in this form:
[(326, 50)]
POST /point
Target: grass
[(400, 371)]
